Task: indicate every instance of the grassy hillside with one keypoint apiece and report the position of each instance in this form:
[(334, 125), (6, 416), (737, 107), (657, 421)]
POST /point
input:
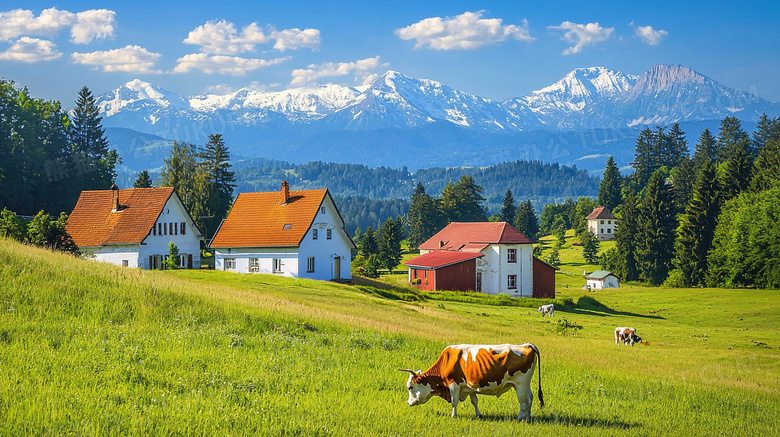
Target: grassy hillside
[(91, 349)]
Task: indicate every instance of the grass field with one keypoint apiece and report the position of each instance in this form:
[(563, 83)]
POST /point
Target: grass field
[(93, 349)]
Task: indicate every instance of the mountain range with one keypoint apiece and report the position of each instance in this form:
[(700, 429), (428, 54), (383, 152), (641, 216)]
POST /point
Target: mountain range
[(397, 120)]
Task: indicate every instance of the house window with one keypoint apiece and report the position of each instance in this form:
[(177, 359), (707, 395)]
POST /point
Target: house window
[(287, 227), (230, 264), (277, 265), (159, 229), (175, 229), (511, 255), (479, 282), (602, 222), (125, 263), (183, 229), (511, 282), (182, 260), (314, 234), (322, 210), (154, 230), (254, 265), (609, 222), (602, 231), (328, 234), (609, 231), (310, 264)]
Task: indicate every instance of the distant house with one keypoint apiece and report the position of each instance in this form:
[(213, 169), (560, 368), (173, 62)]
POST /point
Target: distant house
[(602, 223), (298, 234), (601, 279), (133, 227), (501, 258)]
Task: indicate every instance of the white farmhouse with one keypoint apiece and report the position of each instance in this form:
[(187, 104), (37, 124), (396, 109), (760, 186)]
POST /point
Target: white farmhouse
[(298, 234), (601, 223), (601, 279), (507, 264), (133, 227)]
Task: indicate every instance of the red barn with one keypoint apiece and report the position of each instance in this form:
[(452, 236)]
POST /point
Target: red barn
[(544, 280), (444, 270)]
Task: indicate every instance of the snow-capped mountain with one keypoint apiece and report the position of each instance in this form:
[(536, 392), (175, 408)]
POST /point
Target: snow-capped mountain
[(395, 117)]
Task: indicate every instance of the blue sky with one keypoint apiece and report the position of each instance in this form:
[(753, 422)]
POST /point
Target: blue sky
[(493, 49)]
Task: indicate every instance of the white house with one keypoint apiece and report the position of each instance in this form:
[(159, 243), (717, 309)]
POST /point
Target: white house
[(601, 279), (298, 234), (602, 223), (133, 227), (507, 264)]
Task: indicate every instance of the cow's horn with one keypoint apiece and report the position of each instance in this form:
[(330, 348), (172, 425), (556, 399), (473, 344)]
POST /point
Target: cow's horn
[(408, 370)]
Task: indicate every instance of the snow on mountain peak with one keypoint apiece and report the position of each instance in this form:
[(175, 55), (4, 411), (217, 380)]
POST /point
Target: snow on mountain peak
[(138, 91), (586, 85)]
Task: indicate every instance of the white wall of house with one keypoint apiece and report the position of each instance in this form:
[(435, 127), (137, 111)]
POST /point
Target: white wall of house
[(294, 261), (608, 282), (604, 229), (121, 255), (495, 269)]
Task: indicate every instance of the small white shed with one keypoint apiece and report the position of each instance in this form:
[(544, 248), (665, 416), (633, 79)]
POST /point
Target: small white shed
[(602, 279)]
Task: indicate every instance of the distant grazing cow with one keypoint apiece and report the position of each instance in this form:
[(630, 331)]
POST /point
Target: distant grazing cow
[(627, 336), (547, 309), (468, 370)]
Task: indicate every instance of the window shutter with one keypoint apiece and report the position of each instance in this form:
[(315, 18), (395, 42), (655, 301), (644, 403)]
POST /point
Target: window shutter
[(189, 257), (150, 262)]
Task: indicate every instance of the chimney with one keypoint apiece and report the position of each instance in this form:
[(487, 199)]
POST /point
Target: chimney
[(441, 244), (285, 192), (115, 197)]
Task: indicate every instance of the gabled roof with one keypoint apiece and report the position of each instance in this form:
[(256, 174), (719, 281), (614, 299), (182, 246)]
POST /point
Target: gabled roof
[(94, 223), (470, 236), (441, 258), (602, 212), (600, 274), (263, 220)]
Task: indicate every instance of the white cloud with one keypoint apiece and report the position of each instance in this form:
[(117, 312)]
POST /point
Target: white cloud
[(362, 69), (84, 26), (222, 38), (130, 59), (582, 35), (650, 35), (220, 64), (463, 32), (31, 50)]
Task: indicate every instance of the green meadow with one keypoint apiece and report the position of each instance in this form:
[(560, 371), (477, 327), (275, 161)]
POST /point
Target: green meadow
[(93, 349)]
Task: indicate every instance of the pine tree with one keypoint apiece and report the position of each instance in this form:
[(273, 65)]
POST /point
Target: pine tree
[(422, 216), (697, 227), (590, 247), (737, 170), (766, 170), (626, 232), (655, 245), (553, 258), (730, 136), (93, 158), (448, 205), (676, 147), (188, 177), (767, 129), (469, 198), (389, 244), (368, 244), (508, 208), (143, 180), (215, 160), (645, 156), (609, 189), (706, 150), (526, 220), (683, 179)]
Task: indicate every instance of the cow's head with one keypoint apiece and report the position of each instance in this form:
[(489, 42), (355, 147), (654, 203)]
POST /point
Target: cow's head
[(420, 389), (636, 339)]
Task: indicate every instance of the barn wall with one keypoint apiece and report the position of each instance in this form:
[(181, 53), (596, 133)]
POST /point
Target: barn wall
[(426, 277), (544, 280), (457, 277)]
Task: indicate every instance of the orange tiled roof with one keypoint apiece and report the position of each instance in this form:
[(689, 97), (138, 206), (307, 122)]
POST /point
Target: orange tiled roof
[(260, 219), (92, 222), (602, 212), (468, 237)]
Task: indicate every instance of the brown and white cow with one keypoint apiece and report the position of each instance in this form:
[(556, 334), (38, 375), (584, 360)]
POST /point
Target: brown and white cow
[(627, 336), (468, 370), (547, 309)]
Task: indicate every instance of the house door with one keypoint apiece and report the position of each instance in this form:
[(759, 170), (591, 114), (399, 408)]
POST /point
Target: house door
[(337, 268), (479, 282)]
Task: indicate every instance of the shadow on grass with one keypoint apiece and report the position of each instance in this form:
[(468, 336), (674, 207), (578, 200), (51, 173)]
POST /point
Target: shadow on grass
[(589, 306), (554, 419)]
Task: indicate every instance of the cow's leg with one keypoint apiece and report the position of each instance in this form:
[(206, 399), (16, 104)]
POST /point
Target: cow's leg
[(617, 338), (552, 313), (455, 396), (526, 398), (474, 402)]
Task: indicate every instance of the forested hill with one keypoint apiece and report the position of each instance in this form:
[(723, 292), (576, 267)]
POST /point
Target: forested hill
[(541, 182)]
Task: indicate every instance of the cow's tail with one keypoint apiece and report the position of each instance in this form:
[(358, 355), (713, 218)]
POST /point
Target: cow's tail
[(539, 364)]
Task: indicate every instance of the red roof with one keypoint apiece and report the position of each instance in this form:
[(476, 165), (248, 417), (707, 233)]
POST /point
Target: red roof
[(441, 258), (602, 212), (265, 220), (93, 223), (470, 236)]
